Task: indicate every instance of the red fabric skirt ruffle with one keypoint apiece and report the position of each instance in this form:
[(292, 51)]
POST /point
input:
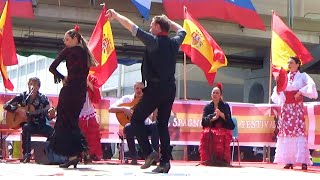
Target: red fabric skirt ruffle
[(215, 142), (91, 130)]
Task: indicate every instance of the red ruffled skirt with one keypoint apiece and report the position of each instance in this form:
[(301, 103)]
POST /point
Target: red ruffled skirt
[(215, 146), (91, 130)]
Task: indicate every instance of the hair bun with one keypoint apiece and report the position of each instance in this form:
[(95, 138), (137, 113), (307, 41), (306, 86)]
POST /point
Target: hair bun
[(77, 28), (219, 85)]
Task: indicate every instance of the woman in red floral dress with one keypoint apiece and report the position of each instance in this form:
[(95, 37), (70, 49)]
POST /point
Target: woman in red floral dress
[(292, 146)]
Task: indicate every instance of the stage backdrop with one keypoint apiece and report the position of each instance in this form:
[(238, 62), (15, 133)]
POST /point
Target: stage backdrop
[(256, 122)]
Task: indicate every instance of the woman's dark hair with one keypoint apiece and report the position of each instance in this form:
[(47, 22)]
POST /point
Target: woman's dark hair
[(74, 33), (297, 61)]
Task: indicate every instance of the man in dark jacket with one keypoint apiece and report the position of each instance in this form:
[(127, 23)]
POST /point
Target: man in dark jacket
[(158, 69)]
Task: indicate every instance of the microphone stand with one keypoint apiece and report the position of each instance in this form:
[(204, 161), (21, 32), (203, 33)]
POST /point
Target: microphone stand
[(29, 94)]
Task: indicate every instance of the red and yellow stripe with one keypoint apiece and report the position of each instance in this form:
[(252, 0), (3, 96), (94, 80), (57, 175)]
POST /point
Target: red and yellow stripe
[(202, 49), (284, 44)]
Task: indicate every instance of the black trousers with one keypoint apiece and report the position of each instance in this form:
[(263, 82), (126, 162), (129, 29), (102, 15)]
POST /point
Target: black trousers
[(31, 128), (152, 130), (155, 96)]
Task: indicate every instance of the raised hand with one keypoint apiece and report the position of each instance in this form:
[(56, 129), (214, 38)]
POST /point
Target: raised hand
[(111, 14)]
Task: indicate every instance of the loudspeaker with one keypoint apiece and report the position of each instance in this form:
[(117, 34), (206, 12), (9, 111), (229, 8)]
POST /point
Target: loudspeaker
[(43, 154)]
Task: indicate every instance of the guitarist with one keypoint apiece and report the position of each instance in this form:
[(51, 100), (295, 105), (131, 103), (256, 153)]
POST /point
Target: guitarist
[(150, 123), (37, 120)]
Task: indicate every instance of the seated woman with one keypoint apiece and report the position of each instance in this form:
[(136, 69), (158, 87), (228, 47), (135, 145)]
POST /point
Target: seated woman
[(216, 135)]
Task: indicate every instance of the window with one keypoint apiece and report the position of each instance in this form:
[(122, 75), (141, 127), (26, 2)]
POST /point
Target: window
[(41, 65), (13, 73), (31, 68), (23, 70)]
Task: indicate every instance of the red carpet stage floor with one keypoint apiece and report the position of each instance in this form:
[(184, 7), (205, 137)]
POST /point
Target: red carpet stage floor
[(178, 169)]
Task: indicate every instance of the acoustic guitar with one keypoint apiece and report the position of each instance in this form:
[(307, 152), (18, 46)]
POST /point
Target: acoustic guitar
[(122, 118), (13, 120)]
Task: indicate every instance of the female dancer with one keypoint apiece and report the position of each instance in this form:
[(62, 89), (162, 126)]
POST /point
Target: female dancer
[(68, 139)]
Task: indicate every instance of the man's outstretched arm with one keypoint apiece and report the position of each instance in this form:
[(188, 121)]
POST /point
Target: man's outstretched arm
[(124, 21)]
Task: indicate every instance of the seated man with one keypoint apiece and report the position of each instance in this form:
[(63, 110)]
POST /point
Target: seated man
[(216, 135), (32, 107), (151, 126)]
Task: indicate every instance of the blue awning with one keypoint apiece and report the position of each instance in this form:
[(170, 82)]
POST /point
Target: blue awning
[(128, 62)]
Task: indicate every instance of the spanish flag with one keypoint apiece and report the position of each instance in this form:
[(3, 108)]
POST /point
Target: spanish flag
[(102, 47), (285, 44), (8, 54), (201, 48)]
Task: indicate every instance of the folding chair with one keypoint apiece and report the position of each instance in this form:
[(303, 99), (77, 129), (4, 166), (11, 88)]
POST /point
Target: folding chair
[(235, 134)]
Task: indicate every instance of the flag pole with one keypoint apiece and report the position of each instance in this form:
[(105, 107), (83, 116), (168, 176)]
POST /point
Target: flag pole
[(270, 64), (266, 149), (270, 78), (184, 65), (185, 76)]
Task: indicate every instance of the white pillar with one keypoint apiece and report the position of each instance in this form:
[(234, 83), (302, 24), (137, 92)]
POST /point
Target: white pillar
[(178, 79), (299, 6), (119, 80)]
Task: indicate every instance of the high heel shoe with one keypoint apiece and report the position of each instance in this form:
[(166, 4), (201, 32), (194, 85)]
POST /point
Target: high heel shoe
[(162, 168), (304, 167), (73, 162), (288, 166)]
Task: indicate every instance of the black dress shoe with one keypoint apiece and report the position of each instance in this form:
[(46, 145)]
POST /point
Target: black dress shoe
[(288, 166), (162, 168), (148, 162), (73, 162), (26, 158), (304, 167)]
